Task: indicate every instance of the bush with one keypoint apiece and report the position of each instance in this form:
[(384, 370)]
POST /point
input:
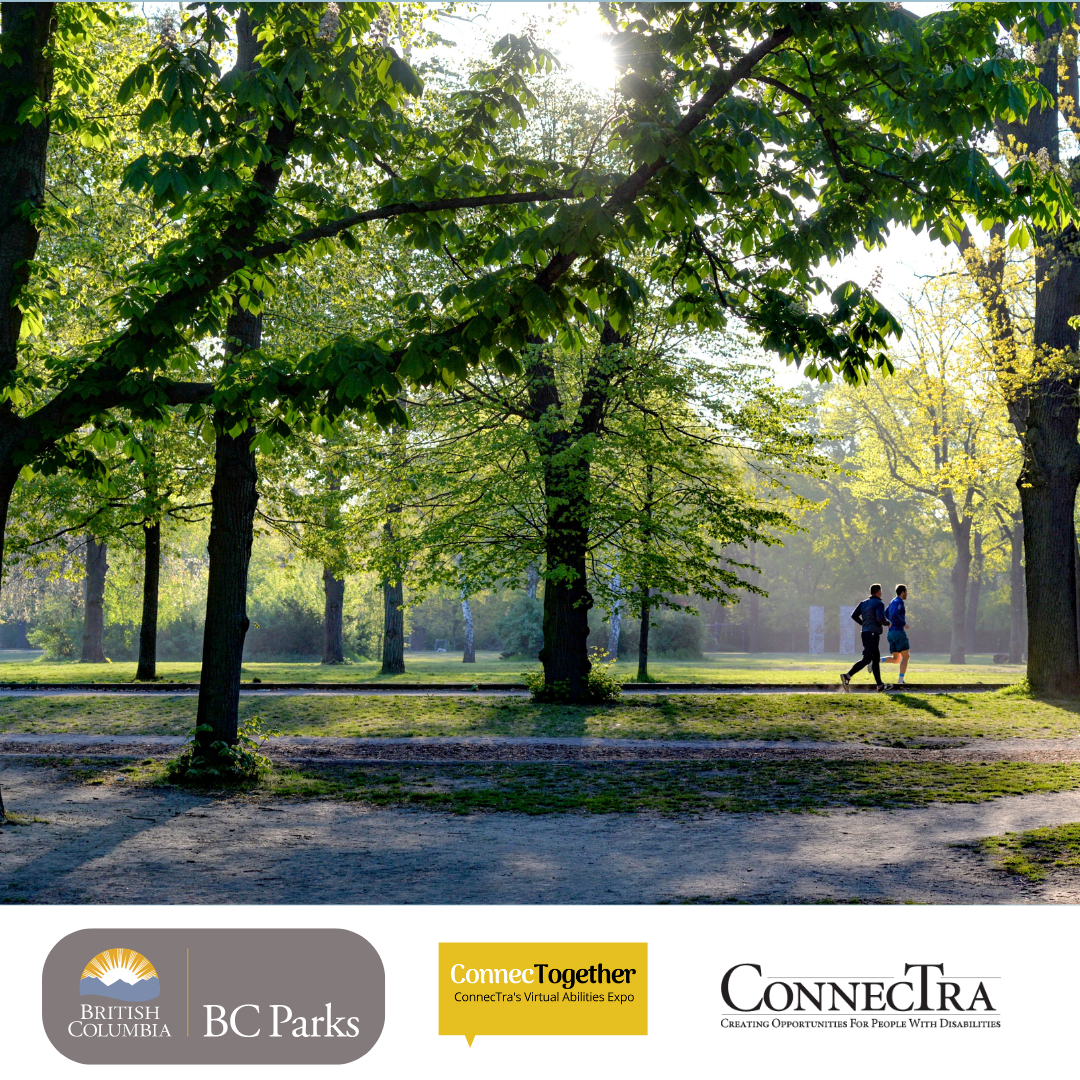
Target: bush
[(58, 632), (673, 634), (289, 632), (521, 629), (601, 686), (181, 639), (224, 765)]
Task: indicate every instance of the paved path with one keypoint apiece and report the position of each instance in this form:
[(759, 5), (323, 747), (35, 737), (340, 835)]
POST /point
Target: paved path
[(110, 845)]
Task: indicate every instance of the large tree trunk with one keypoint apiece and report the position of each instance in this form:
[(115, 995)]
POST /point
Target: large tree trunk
[(333, 616), (643, 638), (974, 591), (23, 147), (567, 599), (1042, 402), (393, 653), (147, 670), (1048, 494), (24, 143), (233, 497), (97, 565), (961, 530), (1017, 622), (469, 655)]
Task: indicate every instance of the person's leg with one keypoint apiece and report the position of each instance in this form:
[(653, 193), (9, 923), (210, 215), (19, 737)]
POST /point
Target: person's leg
[(875, 660), (866, 657), (905, 656)]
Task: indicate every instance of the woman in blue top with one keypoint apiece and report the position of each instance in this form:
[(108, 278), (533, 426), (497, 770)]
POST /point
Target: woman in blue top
[(898, 639)]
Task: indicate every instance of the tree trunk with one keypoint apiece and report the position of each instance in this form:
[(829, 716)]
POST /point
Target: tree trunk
[(333, 613), (233, 499), (20, 634), (393, 653), (615, 620), (532, 580), (1048, 494), (147, 670), (97, 565), (469, 656), (1017, 627), (23, 148), (959, 577), (974, 591), (567, 600), (753, 621), (643, 638)]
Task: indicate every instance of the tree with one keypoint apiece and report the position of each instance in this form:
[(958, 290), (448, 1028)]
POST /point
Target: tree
[(249, 182), (1034, 354), (938, 432)]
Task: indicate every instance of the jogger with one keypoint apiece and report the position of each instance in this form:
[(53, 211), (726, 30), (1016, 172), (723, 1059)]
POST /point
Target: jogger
[(898, 639), (870, 614)]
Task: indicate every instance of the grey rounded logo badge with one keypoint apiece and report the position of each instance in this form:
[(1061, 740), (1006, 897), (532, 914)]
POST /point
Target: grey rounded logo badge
[(222, 997)]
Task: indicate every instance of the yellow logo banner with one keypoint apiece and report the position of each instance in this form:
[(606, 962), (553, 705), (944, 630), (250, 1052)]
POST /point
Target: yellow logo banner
[(543, 988)]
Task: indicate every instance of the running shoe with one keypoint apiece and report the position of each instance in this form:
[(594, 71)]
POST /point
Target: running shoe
[(881, 688), (845, 682)]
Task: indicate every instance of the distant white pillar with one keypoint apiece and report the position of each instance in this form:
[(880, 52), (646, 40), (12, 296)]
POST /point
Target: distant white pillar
[(847, 631), (817, 630)]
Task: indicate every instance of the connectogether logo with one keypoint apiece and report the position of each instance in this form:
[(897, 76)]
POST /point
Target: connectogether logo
[(120, 974), (923, 996)]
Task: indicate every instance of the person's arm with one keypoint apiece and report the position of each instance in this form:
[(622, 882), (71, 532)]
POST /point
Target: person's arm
[(857, 613)]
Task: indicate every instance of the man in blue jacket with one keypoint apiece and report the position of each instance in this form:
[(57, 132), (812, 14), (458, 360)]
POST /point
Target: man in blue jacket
[(871, 616)]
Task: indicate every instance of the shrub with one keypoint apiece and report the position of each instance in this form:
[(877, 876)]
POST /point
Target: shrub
[(601, 686), (58, 632), (288, 632), (224, 765)]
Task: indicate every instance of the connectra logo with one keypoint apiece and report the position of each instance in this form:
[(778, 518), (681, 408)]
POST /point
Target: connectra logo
[(120, 974), (922, 996), (544, 988), (239, 996)]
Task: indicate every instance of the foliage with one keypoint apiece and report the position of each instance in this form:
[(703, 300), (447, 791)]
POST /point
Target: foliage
[(224, 765), (601, 686)]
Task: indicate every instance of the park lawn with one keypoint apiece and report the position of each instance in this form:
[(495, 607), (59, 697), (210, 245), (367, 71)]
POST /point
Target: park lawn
[(439, 667), (831, 717), (1037, 853), (686, 787)]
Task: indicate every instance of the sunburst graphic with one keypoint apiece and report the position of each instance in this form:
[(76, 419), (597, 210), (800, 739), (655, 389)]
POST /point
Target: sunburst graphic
[(123, 974)]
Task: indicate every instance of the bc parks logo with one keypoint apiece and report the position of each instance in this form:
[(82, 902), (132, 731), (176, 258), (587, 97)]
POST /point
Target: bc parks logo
[(213, 996)]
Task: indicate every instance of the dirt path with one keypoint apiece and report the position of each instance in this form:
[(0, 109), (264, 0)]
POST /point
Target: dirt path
[(115, 845)]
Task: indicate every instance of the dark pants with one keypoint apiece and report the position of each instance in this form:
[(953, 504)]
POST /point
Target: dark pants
[(871, 655)]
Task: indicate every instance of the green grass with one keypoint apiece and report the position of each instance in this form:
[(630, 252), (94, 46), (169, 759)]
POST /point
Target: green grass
[(832, 717), (687, 787), (1037, 853), (433, 667)]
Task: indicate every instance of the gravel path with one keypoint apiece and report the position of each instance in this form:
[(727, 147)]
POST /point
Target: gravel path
[(103, 844), (435, 749)]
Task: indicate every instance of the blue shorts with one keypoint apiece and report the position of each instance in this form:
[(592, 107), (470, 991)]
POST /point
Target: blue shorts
[(898, 641)]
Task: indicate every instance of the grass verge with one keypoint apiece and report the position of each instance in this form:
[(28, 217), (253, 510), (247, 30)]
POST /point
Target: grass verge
[(831, 717), (686, 787), (1035, 854), (444, 667)]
